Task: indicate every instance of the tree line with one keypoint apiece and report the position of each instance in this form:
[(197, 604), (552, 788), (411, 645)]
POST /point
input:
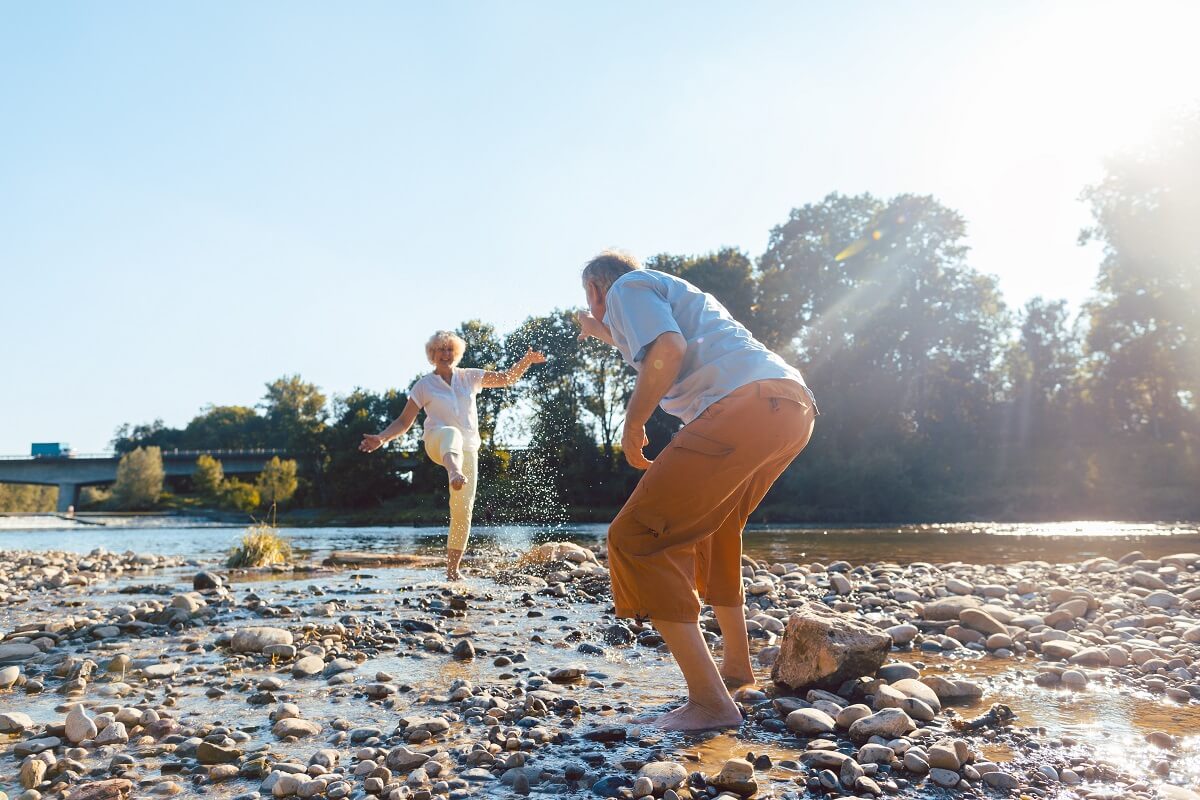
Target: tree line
[(938, 400)]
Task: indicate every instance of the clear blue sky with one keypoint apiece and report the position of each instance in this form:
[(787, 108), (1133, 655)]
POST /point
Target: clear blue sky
[(196, 198)]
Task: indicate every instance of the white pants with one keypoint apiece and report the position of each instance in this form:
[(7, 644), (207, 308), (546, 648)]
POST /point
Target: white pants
[(442, 442)]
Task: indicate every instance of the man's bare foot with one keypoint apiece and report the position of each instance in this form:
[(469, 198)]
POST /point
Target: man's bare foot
[(693, 717), (457, 480), (733, 682), (454, 576)]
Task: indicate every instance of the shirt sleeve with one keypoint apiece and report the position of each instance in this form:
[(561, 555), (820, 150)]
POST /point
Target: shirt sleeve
[(417, 393), (474, 379), (640, 315)]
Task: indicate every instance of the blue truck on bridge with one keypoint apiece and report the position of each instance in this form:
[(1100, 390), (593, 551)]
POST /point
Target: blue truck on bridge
[(50, 450)]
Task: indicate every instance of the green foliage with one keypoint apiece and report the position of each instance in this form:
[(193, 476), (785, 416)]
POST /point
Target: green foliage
[(26, 498), (139, 479), (295, 415), (239, 496), (208, 477), (94, 496), (262, 546), (353, 480), (1143, 341), (277, 482)]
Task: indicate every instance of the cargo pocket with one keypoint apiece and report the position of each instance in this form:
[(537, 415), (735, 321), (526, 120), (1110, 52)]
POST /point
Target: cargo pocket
[(699, 443)]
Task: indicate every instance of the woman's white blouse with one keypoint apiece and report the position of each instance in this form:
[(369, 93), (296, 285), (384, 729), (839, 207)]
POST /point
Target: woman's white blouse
[(450, 405)]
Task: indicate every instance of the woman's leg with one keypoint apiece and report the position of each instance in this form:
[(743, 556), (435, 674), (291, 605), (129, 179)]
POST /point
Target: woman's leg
[(462, 504)]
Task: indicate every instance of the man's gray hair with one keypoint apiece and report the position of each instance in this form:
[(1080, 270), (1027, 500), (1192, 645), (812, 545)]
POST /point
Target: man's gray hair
[(604, 269)]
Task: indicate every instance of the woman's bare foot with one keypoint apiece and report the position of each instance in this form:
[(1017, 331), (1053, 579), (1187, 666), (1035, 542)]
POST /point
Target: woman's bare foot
[(693, 717), (454, 576), (457, 480)]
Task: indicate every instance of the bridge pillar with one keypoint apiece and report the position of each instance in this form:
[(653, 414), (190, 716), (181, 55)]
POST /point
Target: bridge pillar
[(68, 495)]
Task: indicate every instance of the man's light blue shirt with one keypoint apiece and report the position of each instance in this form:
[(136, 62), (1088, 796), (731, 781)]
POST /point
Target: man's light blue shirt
[(721, 357)]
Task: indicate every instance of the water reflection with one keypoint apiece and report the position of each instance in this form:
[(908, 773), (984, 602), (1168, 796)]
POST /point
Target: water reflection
[(993, 543)]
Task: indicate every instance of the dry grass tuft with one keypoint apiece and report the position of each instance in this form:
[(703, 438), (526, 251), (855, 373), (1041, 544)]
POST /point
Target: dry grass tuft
[(262, 546)]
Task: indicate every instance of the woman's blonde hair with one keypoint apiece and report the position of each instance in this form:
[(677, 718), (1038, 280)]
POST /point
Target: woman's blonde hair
[(440, 338)]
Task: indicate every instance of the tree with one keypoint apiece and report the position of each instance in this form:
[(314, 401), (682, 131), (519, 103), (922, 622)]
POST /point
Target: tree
[(1143, 343), (139, 479), (128, 438), (1041, 370), (239, 496), (225, 428), (208, 477), (26, 498), (351, 479), (727, 275), (277, 482), (295, 415)]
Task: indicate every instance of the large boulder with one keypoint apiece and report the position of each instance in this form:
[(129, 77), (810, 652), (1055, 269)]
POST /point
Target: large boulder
[(822, 649)]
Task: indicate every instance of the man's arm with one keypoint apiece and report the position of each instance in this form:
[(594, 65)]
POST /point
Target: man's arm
[(590, 326), (660, 367)]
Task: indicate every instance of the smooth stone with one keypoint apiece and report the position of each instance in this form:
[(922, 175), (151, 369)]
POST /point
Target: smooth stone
[(9, 676), (902, 634), (979, 620), (898, 671), (79, 725), (943, 756), (943, 777), (17, 651), (948, 608), (890, 723), (663, 775), (875, 754), (911, 687), (809, 722), (308, 667), (15, 722), (210, 753), (1001, 780), (254, 638), (294, 726), (851, 714)]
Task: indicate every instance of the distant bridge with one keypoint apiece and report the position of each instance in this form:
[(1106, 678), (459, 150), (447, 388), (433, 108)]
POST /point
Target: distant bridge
[(72, 473)]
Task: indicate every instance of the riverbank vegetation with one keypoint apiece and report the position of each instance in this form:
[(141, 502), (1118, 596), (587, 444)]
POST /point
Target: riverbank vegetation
[(939, 401)]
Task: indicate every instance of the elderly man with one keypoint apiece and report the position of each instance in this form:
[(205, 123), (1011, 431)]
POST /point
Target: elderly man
[(747, 414)]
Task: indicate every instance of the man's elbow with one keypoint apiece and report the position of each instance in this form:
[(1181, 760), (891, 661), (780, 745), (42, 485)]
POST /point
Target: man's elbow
[(668, 349)]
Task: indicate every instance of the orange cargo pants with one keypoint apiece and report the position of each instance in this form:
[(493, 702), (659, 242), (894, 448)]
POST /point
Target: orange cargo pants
[(679, 536)]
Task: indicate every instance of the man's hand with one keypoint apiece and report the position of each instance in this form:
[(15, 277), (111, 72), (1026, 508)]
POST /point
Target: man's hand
[(534, 357), (632, 441), (590, 326), (370, 442)]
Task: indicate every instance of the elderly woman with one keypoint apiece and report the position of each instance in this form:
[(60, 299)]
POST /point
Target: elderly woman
[(451, 426)]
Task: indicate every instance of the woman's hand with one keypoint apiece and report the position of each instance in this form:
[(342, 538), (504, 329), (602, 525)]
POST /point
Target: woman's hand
[(371, 442), (590, 326), (534, 357)]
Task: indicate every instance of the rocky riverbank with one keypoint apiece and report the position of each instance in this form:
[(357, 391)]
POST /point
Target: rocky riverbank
[(125, 675)]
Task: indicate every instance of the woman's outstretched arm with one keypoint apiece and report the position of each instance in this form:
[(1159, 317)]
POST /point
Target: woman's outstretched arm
[(399, 427), (498, 380)]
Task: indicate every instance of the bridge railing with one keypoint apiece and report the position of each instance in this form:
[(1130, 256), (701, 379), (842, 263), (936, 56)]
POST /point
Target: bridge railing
[(172, 453)]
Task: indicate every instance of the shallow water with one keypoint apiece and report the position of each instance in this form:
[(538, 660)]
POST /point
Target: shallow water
[(972, 543), (1113, 722)]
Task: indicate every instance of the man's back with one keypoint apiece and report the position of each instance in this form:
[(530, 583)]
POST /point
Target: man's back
[(722, 355)]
